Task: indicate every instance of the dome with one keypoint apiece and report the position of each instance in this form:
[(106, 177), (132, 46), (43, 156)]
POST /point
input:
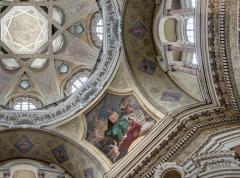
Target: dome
[(41, 54)]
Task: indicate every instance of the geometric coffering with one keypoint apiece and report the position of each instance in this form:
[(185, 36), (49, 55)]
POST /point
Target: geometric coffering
[(24, 29)]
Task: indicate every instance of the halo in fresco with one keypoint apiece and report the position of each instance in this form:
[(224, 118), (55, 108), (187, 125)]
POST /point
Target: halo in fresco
[(117, 124)]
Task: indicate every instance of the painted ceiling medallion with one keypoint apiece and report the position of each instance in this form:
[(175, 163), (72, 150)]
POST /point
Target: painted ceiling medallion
[(24, 29)]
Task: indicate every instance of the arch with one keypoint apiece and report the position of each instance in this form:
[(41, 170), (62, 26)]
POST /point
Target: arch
[(24, 103), (169, 170), (172, 173), (97, 29), (49, 148)]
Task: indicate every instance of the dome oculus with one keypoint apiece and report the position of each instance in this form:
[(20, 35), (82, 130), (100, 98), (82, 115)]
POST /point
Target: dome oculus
[(24, 29)]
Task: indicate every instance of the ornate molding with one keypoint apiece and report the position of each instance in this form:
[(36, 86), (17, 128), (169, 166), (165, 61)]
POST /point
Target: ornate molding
[(225, 54), (180, 138), (205, 165), (168, 166), (73, 104), (210, 159), (213, 165), (213, 157), (191, 125)]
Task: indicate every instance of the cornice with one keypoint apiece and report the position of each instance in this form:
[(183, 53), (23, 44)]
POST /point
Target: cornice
[(182, 129), (180, 138), (225, 52)]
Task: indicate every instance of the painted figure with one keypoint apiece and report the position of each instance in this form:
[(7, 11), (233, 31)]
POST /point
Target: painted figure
[(117, 124)]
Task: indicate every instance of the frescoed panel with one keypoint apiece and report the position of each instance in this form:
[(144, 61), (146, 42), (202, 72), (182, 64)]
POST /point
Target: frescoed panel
[(147, 66), (117, 124), (138, 30), (171, 96), (60, 154), (24, 144), (88, 173)]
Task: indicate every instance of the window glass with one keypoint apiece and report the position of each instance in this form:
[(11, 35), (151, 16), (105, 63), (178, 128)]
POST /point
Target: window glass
[(190, 30), (99, 29), (193, 3), (77, 82), (24, 105), (194, 59)]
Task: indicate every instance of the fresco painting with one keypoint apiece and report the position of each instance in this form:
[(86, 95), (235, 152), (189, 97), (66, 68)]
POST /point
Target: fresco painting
[(147, 66), (88, 173), (24, 145), (236, 149), (138, 30), (171, 96), (117, 124), (60, 154)]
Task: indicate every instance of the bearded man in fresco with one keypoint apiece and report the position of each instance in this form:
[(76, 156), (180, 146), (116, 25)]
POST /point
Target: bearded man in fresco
[(117, 126)]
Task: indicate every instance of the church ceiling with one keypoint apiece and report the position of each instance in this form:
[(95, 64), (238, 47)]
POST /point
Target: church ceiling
[(48, 148), (141, 55), (38, 56), (152, 95), (50, 64), (193, 131)]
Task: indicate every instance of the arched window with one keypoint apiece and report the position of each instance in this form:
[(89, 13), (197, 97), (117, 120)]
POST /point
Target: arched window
[(193, 3), (190, 33), (77, 82), (24, 104), (97, 29), (10, 64), (58, 43), (194, 59)]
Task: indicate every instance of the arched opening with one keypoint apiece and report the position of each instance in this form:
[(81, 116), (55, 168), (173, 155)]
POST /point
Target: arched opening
[(171, 174)]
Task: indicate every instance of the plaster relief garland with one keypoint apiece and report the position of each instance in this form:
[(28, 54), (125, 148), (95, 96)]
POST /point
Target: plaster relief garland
[(208, 163)]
